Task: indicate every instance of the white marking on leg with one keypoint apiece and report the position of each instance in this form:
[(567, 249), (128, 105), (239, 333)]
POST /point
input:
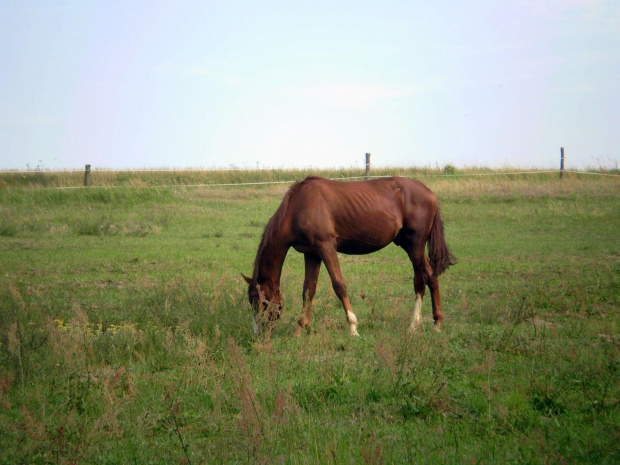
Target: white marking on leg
[(352, 319), (417, 310), (416, 321)]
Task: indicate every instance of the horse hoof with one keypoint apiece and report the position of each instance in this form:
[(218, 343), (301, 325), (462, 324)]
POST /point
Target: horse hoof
[(299, 331), (415, 328)]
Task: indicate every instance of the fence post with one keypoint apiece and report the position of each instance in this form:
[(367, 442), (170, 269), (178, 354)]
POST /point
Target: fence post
[(561, 162), (87, 176), (367, 166)]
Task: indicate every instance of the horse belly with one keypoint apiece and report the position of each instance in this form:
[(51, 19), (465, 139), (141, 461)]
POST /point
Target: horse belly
[(356, 247), (374, 233)]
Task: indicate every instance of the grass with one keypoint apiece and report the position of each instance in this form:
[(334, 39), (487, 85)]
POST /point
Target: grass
[(40, 178), (125, 333)]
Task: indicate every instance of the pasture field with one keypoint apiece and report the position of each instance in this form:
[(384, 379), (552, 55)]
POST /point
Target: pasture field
[(125, 331)]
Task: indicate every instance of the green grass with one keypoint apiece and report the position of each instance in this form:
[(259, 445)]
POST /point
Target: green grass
[(125, 332)]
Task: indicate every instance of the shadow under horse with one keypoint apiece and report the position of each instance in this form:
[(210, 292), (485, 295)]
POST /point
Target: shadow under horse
[(319, 217)]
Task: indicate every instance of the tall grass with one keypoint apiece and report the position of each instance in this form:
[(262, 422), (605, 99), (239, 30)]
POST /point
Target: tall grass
[(171, 177), (112, 186)]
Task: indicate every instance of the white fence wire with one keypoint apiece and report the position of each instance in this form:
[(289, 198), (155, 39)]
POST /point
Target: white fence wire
[(265, 183)]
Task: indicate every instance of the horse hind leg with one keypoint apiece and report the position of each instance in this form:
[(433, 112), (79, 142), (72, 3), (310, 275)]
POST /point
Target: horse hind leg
[(419, 284), (313, 266), (424, 278), (420, 280), (433, 286)]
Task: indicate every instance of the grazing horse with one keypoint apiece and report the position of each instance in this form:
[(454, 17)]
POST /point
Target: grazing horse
[(320, 217)]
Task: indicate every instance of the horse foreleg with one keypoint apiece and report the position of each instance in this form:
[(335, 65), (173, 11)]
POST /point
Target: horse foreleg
[(330, 258), (313, 266)]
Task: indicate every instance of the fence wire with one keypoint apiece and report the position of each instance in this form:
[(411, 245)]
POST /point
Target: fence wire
[(265, 183)]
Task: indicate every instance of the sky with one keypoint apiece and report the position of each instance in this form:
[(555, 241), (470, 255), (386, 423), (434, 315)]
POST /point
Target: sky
[(302, 84)]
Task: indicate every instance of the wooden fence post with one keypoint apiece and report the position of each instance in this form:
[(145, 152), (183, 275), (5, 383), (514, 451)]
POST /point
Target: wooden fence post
[(561, 162), (367, 166), (87, 176)]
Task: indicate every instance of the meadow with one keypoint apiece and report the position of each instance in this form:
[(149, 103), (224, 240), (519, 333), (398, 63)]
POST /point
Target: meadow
[(126, 336)]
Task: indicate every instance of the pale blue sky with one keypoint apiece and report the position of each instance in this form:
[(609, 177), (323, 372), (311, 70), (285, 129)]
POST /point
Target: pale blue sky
[(136, 84)]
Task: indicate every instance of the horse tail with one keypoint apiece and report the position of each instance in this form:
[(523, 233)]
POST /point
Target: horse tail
[(439, 254)]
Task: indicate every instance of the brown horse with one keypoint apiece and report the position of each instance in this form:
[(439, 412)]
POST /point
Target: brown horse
[(320, 217)]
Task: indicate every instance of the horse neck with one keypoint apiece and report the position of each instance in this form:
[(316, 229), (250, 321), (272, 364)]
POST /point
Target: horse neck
[(268, 267), (273, 248)]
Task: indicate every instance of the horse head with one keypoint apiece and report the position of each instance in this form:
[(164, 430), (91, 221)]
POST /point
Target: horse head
[(266, 302)]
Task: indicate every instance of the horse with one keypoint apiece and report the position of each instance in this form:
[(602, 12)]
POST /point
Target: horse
[(320, 217)]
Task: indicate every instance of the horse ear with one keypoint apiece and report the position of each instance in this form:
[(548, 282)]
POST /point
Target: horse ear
[(247, 280)]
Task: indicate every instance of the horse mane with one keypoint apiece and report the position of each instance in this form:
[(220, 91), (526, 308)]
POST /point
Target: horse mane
[(273, 225)]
